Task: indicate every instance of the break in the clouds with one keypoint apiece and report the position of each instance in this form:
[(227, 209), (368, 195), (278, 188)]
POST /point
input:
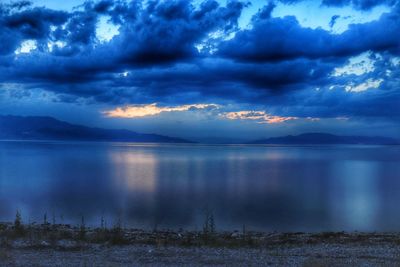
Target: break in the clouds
[(149, 110), (257, 116), (138, 111), (255, 62)]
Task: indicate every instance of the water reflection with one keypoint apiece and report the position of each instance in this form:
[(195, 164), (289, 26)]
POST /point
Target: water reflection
[(266, 188), (135, 171), (356, 200)]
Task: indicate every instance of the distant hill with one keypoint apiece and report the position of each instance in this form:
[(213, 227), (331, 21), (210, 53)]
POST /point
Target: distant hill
[(47, 128), (325, 138)]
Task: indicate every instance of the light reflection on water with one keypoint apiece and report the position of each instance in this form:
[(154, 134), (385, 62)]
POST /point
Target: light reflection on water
[(356, 200), (268, 188)]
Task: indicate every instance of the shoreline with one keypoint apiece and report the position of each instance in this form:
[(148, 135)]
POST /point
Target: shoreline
[(48, 244), (47, 235), (31, 233)]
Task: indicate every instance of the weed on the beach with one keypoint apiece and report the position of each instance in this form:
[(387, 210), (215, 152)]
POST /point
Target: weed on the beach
[(18, 227), (209, 227), (82, 229), (117, 234)]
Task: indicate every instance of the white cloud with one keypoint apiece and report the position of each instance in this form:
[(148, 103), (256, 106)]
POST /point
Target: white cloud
[(368, 84), (106, 30), (26, 47), (357, 65), (313, 15), (258, 116), (146, 110), (395, 61), (342, 118), (59, 44)]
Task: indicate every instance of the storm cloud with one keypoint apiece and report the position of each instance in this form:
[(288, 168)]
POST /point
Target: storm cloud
[(182, 52)]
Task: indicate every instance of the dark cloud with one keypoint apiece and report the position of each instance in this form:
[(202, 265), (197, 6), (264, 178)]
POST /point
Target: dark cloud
[(358, 4), (333, 20), (339, 103), (156, 33), (16, 5), (276, 39), (20, 4), (167, 31), (33, 23), (275, 63)]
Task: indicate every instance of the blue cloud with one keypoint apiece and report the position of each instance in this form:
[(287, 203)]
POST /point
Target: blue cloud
[(358, 4), (333, 20), (277, 39), (276, 63), (17, 25)]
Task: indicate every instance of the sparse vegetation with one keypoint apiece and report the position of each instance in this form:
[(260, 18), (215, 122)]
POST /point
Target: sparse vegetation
[(68, 239), (117, 234), (209, 227), (45, 222), (54, 218), (82, 229), (18, 227), (102, 224), (39, 234)]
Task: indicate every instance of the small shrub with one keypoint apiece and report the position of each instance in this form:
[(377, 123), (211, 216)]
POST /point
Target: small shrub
[(18, 227), (45, 222), (102, 224), (117, 235), (54, 219), (82, 229), (209, 227)]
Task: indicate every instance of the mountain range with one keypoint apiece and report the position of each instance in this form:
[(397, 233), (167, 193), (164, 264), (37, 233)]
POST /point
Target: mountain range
[(325, 138), (47, 128)]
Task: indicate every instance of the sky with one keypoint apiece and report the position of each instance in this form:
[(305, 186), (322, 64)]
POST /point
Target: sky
[(205, 70)]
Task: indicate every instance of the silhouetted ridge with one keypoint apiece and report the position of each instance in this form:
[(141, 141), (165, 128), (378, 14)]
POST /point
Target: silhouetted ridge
[(47, 128), (325, 138)]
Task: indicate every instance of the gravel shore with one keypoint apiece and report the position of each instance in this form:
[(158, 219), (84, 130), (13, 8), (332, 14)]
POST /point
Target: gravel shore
[(54, 247), (150, 255)]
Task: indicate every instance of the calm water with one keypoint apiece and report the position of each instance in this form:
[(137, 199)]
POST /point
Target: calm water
[(302, 188)]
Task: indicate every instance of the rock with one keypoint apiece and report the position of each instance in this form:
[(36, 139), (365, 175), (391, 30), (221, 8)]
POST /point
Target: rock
[(20, 243), (45, 243), (235, 235), (67, 243)]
